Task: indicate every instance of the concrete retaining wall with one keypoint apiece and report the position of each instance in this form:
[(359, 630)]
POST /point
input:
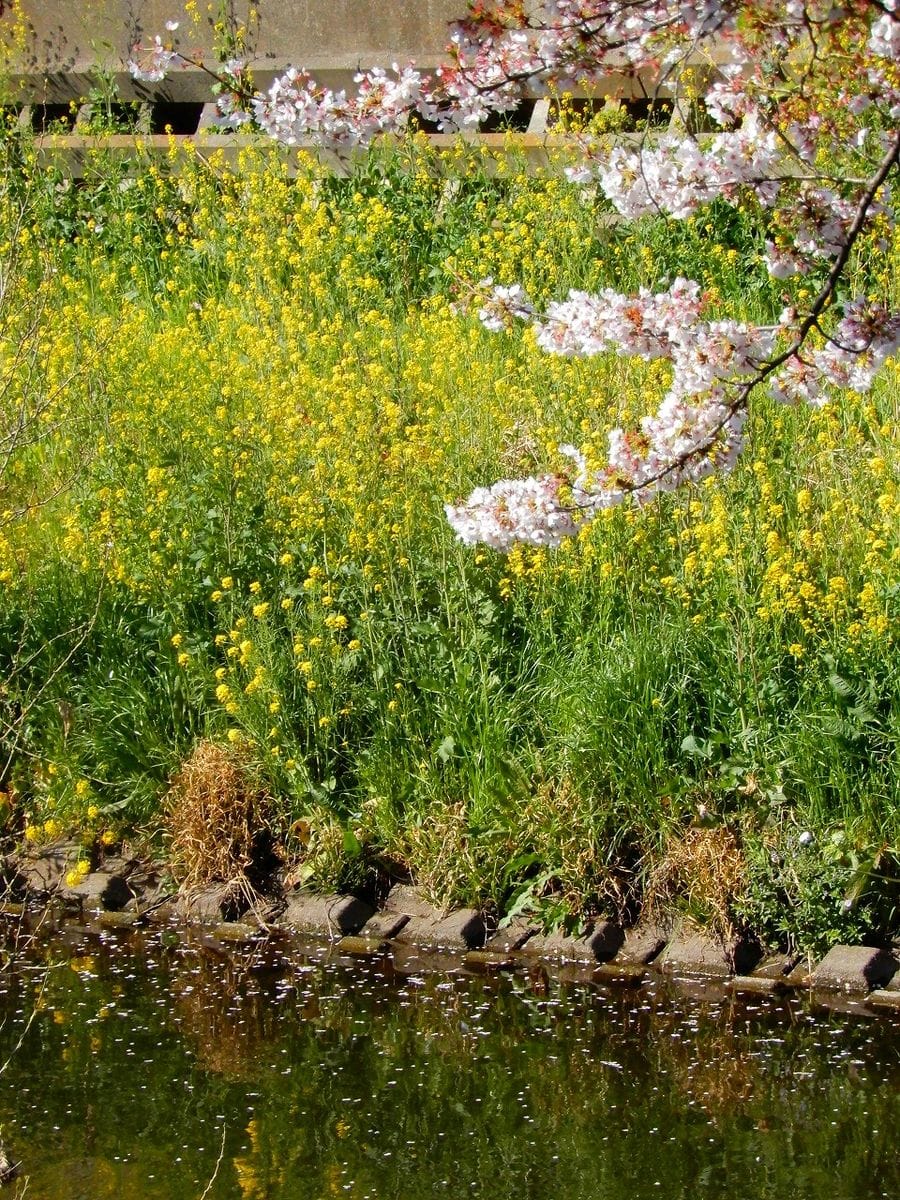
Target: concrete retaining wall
[(68, 40), (331, 38)]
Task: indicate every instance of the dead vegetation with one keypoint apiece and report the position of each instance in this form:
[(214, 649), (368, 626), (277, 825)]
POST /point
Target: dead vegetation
[(702, 873), (218, 821)]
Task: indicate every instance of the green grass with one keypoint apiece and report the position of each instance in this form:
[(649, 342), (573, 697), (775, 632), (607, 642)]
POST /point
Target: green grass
[(251, 398)]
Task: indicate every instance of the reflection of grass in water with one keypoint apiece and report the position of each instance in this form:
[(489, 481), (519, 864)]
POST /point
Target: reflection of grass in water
[(723, 1081), (228, 1029), (327, 1074)]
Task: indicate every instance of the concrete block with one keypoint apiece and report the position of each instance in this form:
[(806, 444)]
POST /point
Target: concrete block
[(605, 939), (885, 998), (694, 953), (539, 117), (624, 974), (854, 969), (384, 925), (220, 902), (511, 937), (98, 892), (642, 944), (209, 117), (756, 985), (463, 929), (236, 931), (164, 913), (789, 969), (489, 960), (147, 893), (893, 984), (118, 864), (332, 916), (361, 946), (44, 871), (599, 944), (785, 972), (117, 920), (409, 901)]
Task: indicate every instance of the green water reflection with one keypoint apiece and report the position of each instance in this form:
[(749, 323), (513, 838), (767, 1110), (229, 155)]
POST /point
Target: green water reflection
[(302, 1074)]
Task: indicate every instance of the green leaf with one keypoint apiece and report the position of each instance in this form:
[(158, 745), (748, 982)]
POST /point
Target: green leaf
[(352, 844), (696, 748), (840, 686), (446, 748)]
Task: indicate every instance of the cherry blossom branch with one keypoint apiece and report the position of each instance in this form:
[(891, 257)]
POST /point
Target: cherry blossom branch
[(770, 146), (888, 163), (699, 426)]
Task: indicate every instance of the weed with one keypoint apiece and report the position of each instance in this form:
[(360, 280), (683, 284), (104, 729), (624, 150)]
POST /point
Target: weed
[(216, 818), (703, 874)]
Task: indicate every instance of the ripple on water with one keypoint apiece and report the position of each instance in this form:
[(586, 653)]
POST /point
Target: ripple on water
[(143, 1066)]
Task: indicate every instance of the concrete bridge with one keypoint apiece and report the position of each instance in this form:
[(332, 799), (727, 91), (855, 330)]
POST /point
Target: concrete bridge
[(68, 39), (71, 45)]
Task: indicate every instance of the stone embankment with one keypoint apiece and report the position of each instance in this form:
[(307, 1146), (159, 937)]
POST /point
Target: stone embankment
[(126, 892)]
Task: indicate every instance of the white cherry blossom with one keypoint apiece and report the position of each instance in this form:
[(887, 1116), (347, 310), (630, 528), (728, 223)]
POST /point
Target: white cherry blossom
[(768, 148)]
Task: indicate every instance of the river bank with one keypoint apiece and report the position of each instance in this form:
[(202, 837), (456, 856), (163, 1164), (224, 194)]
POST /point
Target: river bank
[(125, 893), (243, 397)]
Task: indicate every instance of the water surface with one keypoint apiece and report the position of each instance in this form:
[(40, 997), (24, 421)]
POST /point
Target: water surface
[(161, 1067)]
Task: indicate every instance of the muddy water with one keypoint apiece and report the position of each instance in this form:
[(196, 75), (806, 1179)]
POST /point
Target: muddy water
[(163, 1066)]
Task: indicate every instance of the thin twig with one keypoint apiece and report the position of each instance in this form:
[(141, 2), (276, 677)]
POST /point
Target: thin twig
[(30, 1021), (212, 1180)]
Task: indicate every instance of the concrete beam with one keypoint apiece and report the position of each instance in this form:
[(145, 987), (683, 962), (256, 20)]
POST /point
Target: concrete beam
[(67, 39)]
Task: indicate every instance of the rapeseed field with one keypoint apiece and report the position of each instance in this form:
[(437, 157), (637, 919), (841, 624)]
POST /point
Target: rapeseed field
[(235, 401)]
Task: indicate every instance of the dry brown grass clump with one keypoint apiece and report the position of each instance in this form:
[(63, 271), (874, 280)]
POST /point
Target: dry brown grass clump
[(704, 872), (443, 855), (217, 818)]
